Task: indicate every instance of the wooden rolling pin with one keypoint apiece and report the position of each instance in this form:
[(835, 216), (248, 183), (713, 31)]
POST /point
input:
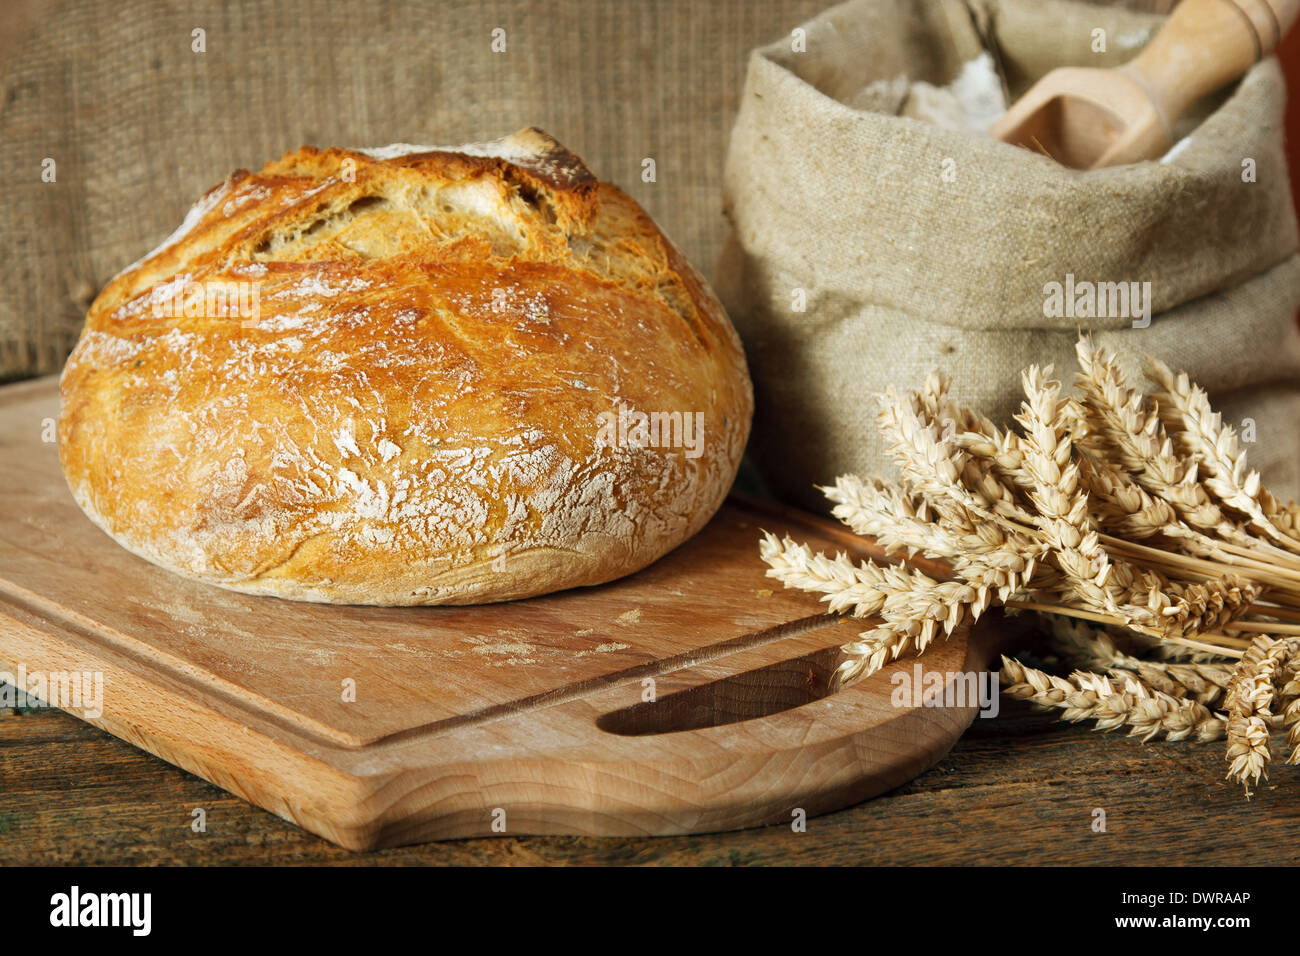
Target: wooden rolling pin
[(1086, 117)]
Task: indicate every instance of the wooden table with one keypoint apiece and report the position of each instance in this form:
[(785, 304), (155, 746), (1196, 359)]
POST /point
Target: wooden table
[(1018, 789)]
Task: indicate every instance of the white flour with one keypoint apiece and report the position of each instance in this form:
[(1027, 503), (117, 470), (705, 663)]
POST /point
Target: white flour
[(970, 103)]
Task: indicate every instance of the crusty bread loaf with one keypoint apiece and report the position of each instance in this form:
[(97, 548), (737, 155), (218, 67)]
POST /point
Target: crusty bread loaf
[(407, 376)]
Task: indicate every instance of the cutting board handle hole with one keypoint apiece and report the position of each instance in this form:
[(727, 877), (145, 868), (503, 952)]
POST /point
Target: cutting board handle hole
[(756, 693)]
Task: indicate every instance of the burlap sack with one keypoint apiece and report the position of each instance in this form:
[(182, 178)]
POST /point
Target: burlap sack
[(915, 248)]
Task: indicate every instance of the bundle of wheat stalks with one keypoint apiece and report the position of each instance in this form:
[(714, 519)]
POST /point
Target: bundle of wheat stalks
[(1170, 577)]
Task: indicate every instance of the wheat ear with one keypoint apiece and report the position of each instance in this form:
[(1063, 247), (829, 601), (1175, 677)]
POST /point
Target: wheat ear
[(1291, 717), (1127, 510), (936, 469), (1121, 505), (1135, 436), (1063, 512), (1096, 649), (932, 464), (981, 553), (1285, 516), (1124, 701), (914, 607), (994, 489), (1214, 445), (1249, 706)]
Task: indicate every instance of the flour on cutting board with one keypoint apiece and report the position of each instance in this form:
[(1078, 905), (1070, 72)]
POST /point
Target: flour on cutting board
[(505, 649), (607, 648)]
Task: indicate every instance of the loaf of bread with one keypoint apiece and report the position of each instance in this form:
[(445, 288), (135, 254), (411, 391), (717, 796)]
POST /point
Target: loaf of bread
[(414, 375)]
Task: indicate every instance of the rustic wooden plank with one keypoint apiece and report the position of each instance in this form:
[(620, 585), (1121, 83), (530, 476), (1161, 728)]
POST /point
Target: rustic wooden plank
[(1019, 789)]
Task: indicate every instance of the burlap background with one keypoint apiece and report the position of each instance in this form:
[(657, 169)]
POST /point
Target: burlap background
[(140, 126), (905, 271)]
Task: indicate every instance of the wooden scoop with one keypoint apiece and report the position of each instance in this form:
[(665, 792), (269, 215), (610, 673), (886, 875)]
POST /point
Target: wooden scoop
[(1087, 118)]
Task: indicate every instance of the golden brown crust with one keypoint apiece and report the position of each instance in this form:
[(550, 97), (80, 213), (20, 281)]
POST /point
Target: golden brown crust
[(414, 413)]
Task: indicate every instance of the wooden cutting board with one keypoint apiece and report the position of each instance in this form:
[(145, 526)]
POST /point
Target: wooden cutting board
[(528, 717)]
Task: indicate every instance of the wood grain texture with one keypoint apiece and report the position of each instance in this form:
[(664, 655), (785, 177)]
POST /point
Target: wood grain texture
[(532, 708), (1017, 790)]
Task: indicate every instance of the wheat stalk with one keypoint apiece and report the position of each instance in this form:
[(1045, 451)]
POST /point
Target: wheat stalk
[(1248, 704), (1062, 508), (1284, 516), (1125, 508), (914, 607), (931, 462), (1147, 599), (1205, 437), (1095, 648), (1121, 421), (965, 492), (1130, 512), (1125, 701), (1291, 717), (981, 553)]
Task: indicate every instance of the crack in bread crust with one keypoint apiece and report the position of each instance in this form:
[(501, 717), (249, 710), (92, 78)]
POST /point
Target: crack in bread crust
[(412, 415)]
